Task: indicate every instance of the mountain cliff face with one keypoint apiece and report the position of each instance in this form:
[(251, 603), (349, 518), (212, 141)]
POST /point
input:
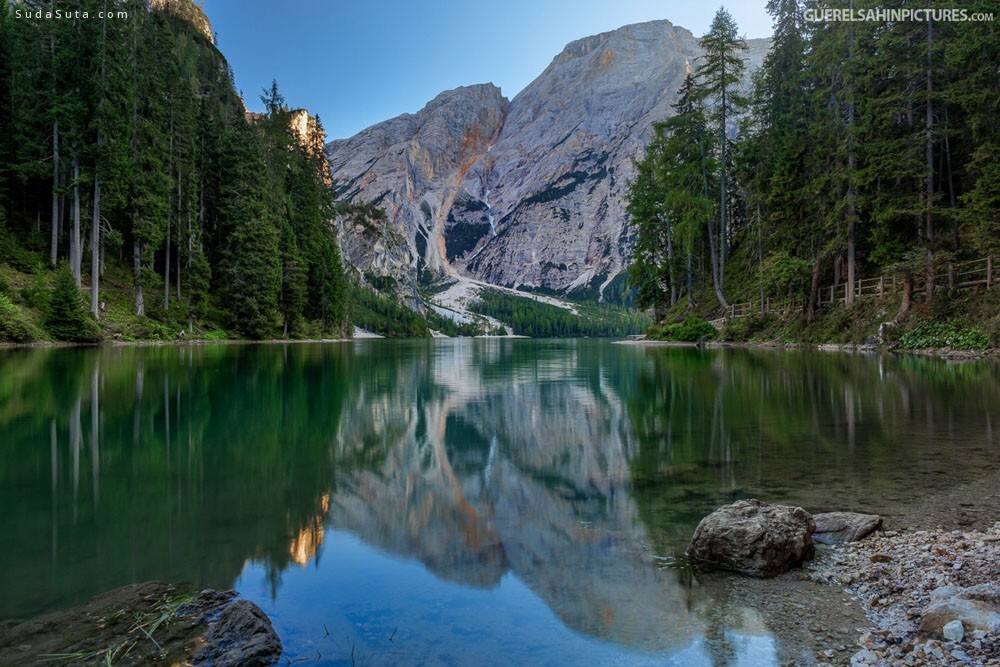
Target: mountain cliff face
[(413, 167), (526, 193)]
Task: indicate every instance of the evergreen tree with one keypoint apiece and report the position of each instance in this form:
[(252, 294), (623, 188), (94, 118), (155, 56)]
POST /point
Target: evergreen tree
[(249, 267), (67, 317), (293, 282), (670, 205), (719, 72), (972, 53)]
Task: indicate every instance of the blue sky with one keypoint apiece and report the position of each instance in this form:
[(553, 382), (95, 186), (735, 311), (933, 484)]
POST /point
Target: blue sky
[(358, 63)]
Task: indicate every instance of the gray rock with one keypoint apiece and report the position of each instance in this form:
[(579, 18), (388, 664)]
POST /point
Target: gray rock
[(529, 192), (242, 637), (753, 538), (865, 656), (953, 631), (840, 527), (411, 167), (976, 607)]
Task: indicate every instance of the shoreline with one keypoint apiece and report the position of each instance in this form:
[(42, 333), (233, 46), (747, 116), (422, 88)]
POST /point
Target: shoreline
[(948, 354), (935, 352), (900, 580), (892, 574)]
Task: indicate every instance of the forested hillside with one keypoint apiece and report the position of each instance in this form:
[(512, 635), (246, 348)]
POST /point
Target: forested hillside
[(128, 163), (866, 149)]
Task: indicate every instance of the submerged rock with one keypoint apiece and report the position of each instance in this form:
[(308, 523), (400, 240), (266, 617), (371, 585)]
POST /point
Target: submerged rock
[(242, 637), (977, 608), (754, 538), (840, 527)]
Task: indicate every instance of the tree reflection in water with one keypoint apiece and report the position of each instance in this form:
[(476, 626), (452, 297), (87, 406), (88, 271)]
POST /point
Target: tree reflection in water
[(578, 467)]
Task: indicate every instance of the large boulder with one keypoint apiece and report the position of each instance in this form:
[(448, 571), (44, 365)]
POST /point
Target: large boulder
[(840, 527), (753, 538), (976, 607), (242, 637)]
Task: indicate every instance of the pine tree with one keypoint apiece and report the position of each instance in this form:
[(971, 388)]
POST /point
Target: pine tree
[(669, 203), (293, 282), (67, 317), (973, 52), (719, 73), (150, 177), (249, 264)]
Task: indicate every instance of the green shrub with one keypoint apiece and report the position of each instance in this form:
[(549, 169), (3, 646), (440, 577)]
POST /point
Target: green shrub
[(216, 334), (16, 255), (36, 294), (944, 334), (14, 327), (692, 329), (746, 328), (68, 319)]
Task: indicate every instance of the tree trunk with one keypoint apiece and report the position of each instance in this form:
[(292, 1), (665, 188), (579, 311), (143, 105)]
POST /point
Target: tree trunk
[(813, 292), (713, 252), (54, 248), (140, 305), (760, 257), (166, 270), (904, 306), (177, 246), (670, 262), (690, 281), (75, 251), (929, 156), (851, 269), (714, 256), (723, 226), (951, 185), (851, 195), (95, 249)]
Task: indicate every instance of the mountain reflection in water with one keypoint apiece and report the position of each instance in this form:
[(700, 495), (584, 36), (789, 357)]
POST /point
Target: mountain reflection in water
[(473, 500)]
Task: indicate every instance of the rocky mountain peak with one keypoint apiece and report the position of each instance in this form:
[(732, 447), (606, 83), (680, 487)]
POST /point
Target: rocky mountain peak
[(530, 192)]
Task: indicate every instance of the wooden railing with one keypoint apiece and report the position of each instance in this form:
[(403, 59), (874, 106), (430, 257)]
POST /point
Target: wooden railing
[(982, 272)]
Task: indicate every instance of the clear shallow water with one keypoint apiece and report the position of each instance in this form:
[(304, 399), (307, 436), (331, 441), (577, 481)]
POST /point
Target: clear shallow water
[(459, 501)]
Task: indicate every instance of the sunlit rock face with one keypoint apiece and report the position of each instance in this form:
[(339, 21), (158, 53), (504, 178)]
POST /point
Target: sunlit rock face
[(539, 201), (412, 167), (190, 12)]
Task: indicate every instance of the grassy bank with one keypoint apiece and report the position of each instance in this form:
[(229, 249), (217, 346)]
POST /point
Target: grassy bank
[(26, 291), (967, 320)]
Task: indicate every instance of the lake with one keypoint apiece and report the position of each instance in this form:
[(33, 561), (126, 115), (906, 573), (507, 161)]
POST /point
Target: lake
[(444, 502)]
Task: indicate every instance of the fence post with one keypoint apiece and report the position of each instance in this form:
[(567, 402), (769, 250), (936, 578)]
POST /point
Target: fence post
[(881, 286), (951, 275), (989, 271)]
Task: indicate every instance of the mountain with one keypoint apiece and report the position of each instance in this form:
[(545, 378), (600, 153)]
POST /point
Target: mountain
[(526, 193)]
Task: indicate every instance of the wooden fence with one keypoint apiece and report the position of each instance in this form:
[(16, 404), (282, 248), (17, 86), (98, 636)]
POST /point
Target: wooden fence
[(982, 272)]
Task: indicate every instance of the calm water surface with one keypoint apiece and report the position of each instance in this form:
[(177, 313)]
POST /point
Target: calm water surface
[(458, 501)]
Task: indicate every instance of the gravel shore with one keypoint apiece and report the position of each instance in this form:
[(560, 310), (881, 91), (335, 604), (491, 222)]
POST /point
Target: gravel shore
[(892, 576)]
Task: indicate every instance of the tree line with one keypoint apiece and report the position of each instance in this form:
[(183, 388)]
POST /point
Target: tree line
[(528, 317), (859, 148), (126, 142)]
